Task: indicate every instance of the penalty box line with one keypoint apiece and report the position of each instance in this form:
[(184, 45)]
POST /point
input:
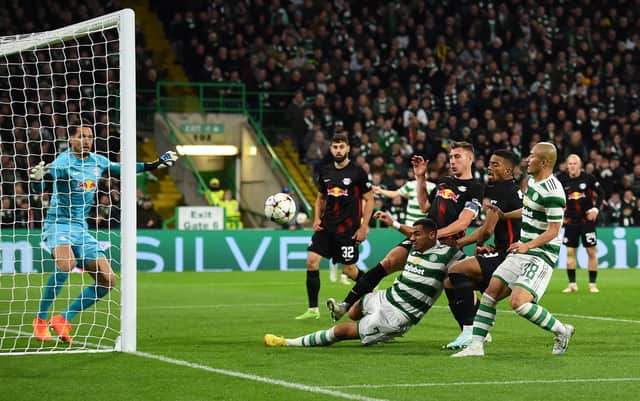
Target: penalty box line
[(256, 378), (492, 383)]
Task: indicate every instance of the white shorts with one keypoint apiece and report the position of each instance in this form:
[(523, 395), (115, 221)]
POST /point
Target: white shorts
[(527, 271), (381, 321)]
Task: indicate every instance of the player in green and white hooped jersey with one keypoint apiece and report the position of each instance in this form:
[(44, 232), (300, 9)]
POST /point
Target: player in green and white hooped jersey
[(385, 314), (525, 274), (407, 191)]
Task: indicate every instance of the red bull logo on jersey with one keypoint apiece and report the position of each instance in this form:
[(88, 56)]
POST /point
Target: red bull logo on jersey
[(337, 192), (447, 193), (88, 185), (576, 195)]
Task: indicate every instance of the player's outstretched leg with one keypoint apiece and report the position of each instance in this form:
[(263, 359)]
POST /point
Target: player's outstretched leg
[(315, 339)]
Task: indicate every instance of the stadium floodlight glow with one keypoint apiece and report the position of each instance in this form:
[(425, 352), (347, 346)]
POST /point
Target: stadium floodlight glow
[(207, 150)]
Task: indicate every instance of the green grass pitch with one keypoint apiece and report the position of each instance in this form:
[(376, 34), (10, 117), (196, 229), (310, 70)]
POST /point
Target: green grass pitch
[(201, 335)]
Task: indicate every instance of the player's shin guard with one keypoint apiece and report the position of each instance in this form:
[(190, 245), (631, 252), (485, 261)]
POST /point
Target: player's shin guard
[(539, 316), (463, 297), (366, 283), (89, 296), (485, 318), (313, 287), (51, 290), (317, 339)]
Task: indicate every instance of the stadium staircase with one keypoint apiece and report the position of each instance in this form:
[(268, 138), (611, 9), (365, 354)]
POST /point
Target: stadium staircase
[(162, 52), (163, 193), (288, 154)]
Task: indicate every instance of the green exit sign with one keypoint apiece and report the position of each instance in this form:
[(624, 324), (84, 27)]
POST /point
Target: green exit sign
[(202, 128)]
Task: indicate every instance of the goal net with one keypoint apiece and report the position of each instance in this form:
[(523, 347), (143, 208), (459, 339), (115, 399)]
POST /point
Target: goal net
[(50, 83)]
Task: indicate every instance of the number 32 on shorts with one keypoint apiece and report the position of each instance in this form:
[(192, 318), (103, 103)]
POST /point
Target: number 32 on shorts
[(347, 252)]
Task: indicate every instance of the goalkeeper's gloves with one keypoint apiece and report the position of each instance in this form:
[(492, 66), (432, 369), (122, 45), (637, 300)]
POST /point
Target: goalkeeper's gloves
[(167, 159), (38, 172)]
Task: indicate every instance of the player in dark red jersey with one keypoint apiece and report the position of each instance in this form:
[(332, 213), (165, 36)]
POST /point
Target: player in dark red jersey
[(584, 198), (341, 219), (474, 273), (453, 204)]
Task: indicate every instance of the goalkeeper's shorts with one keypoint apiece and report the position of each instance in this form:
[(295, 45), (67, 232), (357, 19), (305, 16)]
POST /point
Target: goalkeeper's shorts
[(84, 246)]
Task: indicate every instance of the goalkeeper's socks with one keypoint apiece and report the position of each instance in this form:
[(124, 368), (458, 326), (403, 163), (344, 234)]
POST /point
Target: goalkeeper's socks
[(317, 339), (84, 300), (313, 287), (51, 290), (540, 316), (366, 283)]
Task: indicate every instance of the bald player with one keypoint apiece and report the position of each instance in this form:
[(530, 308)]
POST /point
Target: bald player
[(584, 196), (526, 272)]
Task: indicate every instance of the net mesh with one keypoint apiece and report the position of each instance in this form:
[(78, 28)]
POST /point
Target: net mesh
[(49, 82)]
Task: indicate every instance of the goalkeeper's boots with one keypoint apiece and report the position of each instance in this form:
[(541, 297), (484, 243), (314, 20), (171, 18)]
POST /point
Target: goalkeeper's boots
[(572, 287), (41, 330), (337, 309), (61, 326), (309, 314), (593, 288), (271, 340)]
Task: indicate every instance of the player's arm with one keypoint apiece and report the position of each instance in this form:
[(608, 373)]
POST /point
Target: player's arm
[(514, 214), (549, 234), (318, 210), (592, 214), (464, 219), (387, 193), (419, 170), (386, 218), (167, 159), (42, 177), (483, 232), (367, 210)]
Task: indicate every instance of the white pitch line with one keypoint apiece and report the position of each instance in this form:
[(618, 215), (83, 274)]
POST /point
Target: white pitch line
[(491, 383), (215, 306), (587, 317), (262, 379)]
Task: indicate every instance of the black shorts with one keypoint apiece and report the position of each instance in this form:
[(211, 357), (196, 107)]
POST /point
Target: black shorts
[(586, 231), (339, 247), (489, 262)]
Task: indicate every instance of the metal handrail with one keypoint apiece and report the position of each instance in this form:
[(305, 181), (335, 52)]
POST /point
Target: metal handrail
[(218, 105)]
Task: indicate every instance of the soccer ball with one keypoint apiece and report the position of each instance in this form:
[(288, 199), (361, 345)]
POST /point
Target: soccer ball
[(280, 208)]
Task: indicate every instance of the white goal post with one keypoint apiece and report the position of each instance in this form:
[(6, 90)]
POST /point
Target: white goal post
[(84, 69)]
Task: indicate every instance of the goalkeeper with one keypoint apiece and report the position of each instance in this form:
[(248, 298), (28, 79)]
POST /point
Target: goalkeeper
[(75, 174)]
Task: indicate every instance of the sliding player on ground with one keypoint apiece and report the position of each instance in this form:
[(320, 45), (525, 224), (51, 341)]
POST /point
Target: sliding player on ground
[(382, 315)]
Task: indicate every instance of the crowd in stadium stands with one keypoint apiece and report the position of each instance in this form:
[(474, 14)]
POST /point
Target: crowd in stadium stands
[(401, 78), (405, 77), (74, 82)]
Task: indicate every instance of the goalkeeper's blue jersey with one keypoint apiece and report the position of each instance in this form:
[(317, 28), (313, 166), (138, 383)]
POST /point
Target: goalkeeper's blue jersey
[(75, 182)]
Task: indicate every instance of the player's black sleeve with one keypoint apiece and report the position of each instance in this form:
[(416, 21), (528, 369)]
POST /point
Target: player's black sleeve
[(594, 184), (474, 202), (322, 184), (363, 181)]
